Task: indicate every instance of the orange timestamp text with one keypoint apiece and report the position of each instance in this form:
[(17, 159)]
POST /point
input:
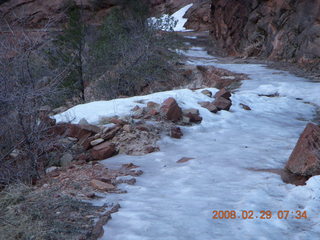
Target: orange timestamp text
[(264, 214)]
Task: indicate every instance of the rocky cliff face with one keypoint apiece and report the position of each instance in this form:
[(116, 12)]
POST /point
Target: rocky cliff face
[(277, 29), (37, 14)]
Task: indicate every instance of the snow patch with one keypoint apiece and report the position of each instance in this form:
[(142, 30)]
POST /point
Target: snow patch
[(176, 17)]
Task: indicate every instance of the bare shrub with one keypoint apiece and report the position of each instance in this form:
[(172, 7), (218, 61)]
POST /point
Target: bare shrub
[(26, 84), (28, 213), (130, 53)]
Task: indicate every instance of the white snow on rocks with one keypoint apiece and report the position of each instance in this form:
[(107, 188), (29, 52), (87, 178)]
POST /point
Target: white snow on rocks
[(176, 17)]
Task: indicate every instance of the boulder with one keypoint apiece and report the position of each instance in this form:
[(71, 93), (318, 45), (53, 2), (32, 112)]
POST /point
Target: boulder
[(210, 106), (176, 132), (103, 151), (305, 157), (222, 103), (223, 93), (170, 110)]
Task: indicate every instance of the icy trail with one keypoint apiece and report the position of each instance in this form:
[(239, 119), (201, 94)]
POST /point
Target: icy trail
[(172, 201)]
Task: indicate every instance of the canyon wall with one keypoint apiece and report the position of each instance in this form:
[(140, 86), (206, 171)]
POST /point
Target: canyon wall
[(275, 29)]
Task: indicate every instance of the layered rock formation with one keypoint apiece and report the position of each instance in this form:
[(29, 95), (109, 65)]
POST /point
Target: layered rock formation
[(277, 29)]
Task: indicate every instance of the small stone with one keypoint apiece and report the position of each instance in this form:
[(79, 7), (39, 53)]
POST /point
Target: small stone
[(45, 108), (228, 77), (207, 93), (139, 113), (102, 186), (153, 105), (66, 159), (245, 107), (153, 112), (136, 108), (176, 132), (185, 119), (103, 150), (15, 153), (72, 139), (98, 135), (97, 141), (51, 169), (150, 149), (143, 128), (193, 115), (184, 159), (115, 120), (127, 128), (111, 132), (191, 111)]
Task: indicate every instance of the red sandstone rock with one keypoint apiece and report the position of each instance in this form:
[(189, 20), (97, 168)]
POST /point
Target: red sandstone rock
[(170, 110), (305, 158), (103, 151), (223, 93), (210, 106), (222, 104), (176, 132), (79, 131), (110, 132), (184, 159)]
